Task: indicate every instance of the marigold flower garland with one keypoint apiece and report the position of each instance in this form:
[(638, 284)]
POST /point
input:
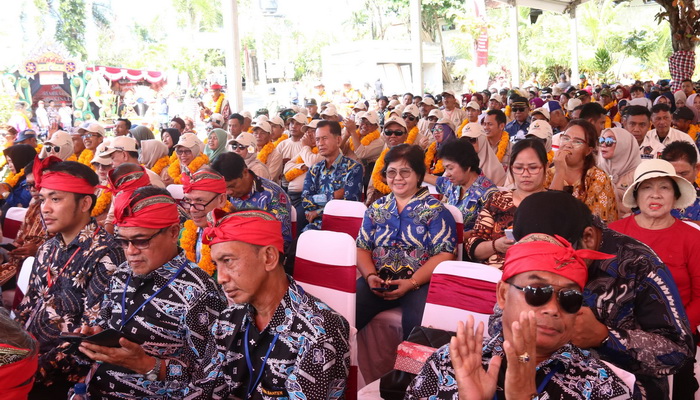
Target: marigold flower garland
[(72, 158), (86, 157), (12, 179), (265, 152), (365, 141), (175, 171), (377, 180), (502, 146), (161, 164), (104, 200), (294, 173), (429, 157), (280, 139), (693, 132), (188, 241), (458, 133)]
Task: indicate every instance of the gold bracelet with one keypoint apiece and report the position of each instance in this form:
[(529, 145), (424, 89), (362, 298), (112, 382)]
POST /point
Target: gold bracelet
[(416, 286), (370, 274), (493, 245)]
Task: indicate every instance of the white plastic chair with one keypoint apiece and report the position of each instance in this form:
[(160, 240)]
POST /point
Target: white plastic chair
[(25, 273), (13, 221), (177, 191), (343, 216), (432, 190), (475, 294), (293, 216), (459, 220)]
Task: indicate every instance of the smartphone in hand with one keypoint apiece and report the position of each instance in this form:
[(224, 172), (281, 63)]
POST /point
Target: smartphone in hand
[(385, 288)]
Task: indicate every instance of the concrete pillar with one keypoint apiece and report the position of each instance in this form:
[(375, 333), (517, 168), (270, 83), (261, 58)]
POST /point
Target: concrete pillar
[(232, 51), (574, 47), (515, 45), (417, 47)]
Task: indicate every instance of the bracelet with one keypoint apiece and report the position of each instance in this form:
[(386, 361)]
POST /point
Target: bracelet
[(416, 286), (370, 274), (493, 246)]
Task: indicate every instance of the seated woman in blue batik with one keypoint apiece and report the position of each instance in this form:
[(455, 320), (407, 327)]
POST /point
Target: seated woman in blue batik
[(404, 236), (463, 184)]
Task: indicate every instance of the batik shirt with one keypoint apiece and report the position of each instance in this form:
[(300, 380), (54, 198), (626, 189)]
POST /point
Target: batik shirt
[(401, 242), (473, 200), (267, 195), (649, 334), (578, 376), (692, 212), (321, 182), (78, 286), (310, 358), (174, 327)]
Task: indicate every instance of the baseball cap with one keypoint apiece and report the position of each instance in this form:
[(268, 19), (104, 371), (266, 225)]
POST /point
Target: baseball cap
[(60, 138), (24, 135), (277, 120), (606, 92), (93, 127), (310, 102), (472, 129), (411, 109), (264, 125), (313, 124), (246, 114), (371, 117), (582, 93), (448, 92), (435, 113), (540, 129), (398, 110), (120, 143), (98, 157), (330, 111), (244, 138), (474, 105), (218, 118), (684, 113), (541, 110), (573, 103), (300, 118), (190, 140), (429, 101), (395, 120), (552, 106), (215, 86), (360, 105), (394, 103)]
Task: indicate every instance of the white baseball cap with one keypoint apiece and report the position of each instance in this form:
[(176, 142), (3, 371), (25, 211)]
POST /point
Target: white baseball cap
[(120, 143), (541, 129), (246, 139), (427, 101), (435, 113), (264, 125), (411, 109), (473, 104), (472, 130), (93, 127), (395, 120), (541, 110), (300, 118), (360, 105), (277, 120), (371, 117), (329, 111)]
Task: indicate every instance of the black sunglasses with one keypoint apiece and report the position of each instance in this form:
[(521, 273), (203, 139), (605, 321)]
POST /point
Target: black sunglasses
[(54, 149), (140, 244), (519, 109), (394, 133), (570, 300), (409, 117), (238, 147)]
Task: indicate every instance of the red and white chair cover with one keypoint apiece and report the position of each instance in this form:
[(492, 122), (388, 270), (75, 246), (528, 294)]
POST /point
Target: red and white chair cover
[(459, 220), (13, 221), (293, 216), (325, 266), (458, 289), (177, 191), (432, 190), (343, 216)]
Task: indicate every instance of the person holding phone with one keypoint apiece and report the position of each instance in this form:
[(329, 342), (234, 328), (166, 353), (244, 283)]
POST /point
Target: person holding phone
[(158, 298), (403, 237)]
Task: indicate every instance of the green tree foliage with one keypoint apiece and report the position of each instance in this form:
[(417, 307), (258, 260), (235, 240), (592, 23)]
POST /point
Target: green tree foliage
[(70, 29)]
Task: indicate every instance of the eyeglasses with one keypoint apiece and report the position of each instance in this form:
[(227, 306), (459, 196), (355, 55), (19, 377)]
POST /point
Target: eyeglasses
[(103, 166), (235, 147), (140, 244), (574, 142), (54, 149), (198, 206), (404, 173), (519, 109), (31, 186), (546, 96), (519, 169), (570, 300), (89, 135), (607, 142), (181, 152), (409, 117), (394, 133)]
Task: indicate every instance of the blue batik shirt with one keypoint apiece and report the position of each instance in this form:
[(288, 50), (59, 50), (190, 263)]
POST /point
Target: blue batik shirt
[(692, 212), (473, 200), (321, 182), (401, 242), (267, 195)]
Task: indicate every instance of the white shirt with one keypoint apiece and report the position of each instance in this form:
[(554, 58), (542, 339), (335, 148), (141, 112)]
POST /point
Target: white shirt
[(289, 148), (42, 117), (652, 146)]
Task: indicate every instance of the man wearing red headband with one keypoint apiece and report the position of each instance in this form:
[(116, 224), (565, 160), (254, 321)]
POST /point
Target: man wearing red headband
[(275, 340), (540, 294), (157, 298), (71, 270), (204, 190)]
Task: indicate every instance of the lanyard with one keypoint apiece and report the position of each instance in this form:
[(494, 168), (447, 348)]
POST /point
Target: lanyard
[(49, 281), (252, 385), (544, 382), (148, 300)]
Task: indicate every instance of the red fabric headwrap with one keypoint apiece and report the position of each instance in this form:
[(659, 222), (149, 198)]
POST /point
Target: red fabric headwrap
[(249, 226), (62, 181), (540, 252), (203, 180), (155, 212), (18, 373), (129, 181)]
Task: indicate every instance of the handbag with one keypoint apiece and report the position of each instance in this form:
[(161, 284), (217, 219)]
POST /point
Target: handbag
[(411, 356)]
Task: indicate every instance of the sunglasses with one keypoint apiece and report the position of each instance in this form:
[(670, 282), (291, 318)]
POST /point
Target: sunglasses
[(394, 133), (519, 109), (140, 244), (54, 149), (570, 300), (405, 173), (235, 147), (607, 142), (409, 117), (182, 152)]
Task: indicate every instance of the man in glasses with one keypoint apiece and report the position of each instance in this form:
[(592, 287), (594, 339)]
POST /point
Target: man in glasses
[(275, 340), (124, 149), (161, 304), (520, 111), (246, 190), (245, 146), (71, 270), (93, 134), (529, 353), (650, 339)]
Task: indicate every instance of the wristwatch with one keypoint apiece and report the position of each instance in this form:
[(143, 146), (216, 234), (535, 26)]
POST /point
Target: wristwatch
[(153, 374)]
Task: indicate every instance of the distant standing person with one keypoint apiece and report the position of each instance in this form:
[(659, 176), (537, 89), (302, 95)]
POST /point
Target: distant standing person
[(378, 88), (65, 113)]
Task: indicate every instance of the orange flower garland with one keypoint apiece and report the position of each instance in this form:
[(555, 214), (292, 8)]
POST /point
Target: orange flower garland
[(458, 132), (12, 179), (161, 164), (103, 202), (365, 141), (265, 152), (72, 158), (280, 139), (175, 171), (377, 179), (86, 157), (693, 132), (430, 156), (188, 241), (502, 146), (550, 156), (294, 173)]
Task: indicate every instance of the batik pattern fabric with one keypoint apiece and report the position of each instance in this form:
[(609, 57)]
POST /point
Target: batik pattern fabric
[(321, 182), (473, 200), (494, 218), (692, 212), (310, 359), (578, 376), (174, 327), (598, 194), (269, 196), (401, 242), (78, 286)]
